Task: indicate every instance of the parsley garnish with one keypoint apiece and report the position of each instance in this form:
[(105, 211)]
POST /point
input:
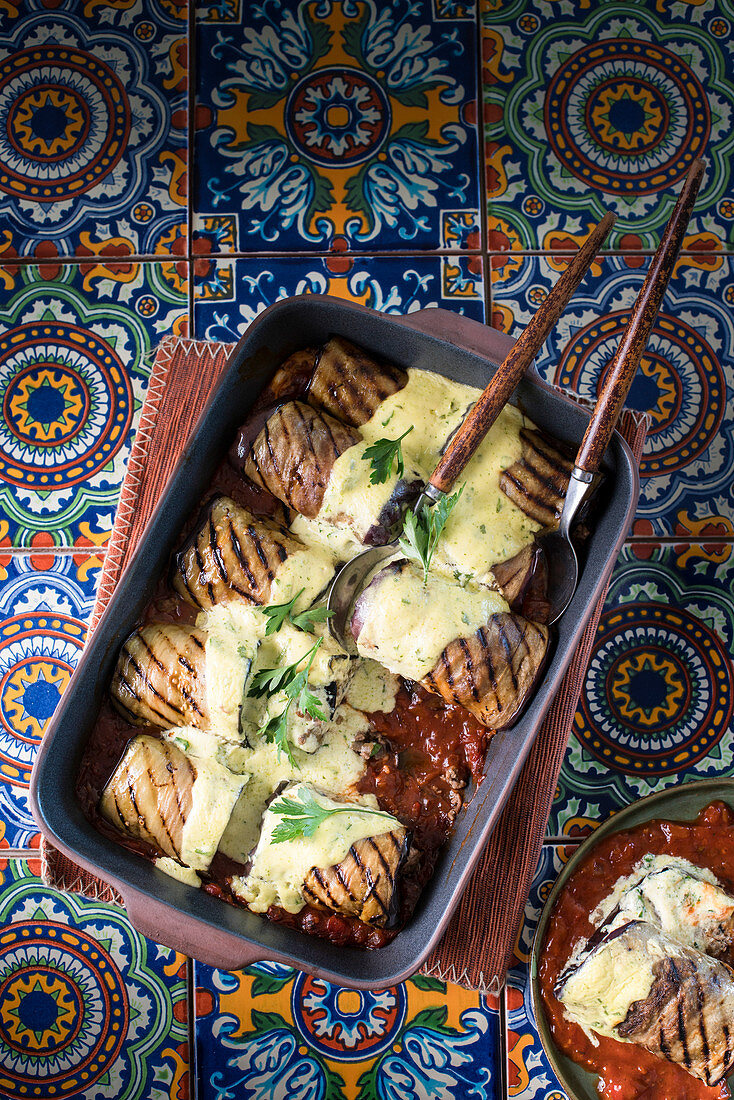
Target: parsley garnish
[(381, 455), (277, 614), (421, 532), (269, 681), (301, 816)]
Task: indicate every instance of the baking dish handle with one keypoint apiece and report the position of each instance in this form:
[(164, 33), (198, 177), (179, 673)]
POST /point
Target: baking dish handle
[(210, 945), (473, 336)]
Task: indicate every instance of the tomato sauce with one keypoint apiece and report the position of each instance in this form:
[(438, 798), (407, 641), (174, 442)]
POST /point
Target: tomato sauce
[(626, 1071)]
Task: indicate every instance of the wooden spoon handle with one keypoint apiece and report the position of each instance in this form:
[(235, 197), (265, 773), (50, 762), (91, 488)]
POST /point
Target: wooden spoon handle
[(503, 382), (635, 336)]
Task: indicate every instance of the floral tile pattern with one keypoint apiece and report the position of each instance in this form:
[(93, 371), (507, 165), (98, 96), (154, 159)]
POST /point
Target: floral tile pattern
[(45, 604), (75, 353), (336, 126), (89, 1009), (230, 293), (685, 381), (594, 106), (93, 128), (657, 705), (271, 1027), (529, 1073)]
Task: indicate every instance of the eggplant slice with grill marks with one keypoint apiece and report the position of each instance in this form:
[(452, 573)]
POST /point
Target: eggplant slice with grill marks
[(349, 384), (493, 672), (160, 677), (633, 982), (179, 804), (231, 555), (295, 453), (363, 885), (538, 482)]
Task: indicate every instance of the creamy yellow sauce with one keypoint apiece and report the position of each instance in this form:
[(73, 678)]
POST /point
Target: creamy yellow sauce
[(279, 870), (408, 624), (372, 687)]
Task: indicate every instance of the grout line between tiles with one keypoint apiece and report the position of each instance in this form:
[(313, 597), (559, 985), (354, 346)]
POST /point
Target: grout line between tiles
[(191, 106), (191, 1027), (54, 551), (504, 1074)]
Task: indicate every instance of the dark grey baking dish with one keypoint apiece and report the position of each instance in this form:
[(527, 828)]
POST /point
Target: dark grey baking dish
[(188, 919)]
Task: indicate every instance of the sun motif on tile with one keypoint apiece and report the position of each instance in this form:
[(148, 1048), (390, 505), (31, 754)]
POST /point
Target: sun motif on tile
[(38, 1010), (30, 694), (649, 690), (46, 405)]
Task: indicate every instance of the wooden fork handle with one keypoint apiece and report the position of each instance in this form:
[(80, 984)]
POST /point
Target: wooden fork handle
[(623, 367), (506, 377)]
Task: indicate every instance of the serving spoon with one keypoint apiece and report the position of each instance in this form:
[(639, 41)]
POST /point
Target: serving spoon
[(560, 556), (351, 578)]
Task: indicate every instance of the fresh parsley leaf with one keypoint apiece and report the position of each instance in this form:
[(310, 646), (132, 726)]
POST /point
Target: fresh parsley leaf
[(421, 532), (306, 619), (381, 454), (276, 730), (301, 816), (278, 613)]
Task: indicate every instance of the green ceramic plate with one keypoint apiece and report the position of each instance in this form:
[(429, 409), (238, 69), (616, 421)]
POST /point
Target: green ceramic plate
[(682, 803)]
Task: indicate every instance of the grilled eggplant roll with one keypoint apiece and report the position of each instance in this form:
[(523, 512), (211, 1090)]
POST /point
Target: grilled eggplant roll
[(178, 804), (349, 384), (633, 982), (538, 483), (232, 555), (340, 856), (160, 677), (460, 643), (295, 453)]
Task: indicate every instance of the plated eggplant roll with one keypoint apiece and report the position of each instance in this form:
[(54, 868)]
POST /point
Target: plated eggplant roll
[(295, 453), (178, 804), (683, 900), (350, 384), (160, 677), (336, 855), (462, 644), (233, 555), (637, 984)]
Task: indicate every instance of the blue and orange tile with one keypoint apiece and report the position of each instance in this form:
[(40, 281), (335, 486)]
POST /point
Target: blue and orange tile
[(231, 293), (76, 344), (93, 128), (272, 1028), (89, 1008), (591, 106), (347, 125), (45, 605)]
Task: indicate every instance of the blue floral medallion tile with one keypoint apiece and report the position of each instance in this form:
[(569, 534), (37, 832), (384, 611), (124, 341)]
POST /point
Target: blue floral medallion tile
[(75, 352), (657, 705), (89, 1009), (230, 293), (45, 604), (337, 125), (93, 128), (271, 1030), (595, 106), (529, 1073), (685, 380)]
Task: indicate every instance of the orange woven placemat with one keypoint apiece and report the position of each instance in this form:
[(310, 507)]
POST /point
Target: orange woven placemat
[(478, 943)]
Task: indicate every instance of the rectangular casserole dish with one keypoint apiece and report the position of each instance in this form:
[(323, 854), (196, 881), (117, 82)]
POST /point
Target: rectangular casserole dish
[(190, 920)]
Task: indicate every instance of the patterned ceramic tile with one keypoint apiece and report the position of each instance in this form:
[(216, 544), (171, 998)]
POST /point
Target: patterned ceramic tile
[(92, 128), (75, 351), (528, 1071), (45, 604), (272, 1028), (89, 1009), (336, 125), (590, 106), (685, 379), (230, 293), (657, 704)]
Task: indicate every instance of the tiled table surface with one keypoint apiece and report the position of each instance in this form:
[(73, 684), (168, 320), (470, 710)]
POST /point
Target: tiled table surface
[(161, 173)]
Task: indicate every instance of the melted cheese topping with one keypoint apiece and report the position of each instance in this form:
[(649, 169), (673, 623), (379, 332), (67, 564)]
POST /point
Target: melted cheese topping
[(372, 687), (279, 870), (310, 570), (407, 624)]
